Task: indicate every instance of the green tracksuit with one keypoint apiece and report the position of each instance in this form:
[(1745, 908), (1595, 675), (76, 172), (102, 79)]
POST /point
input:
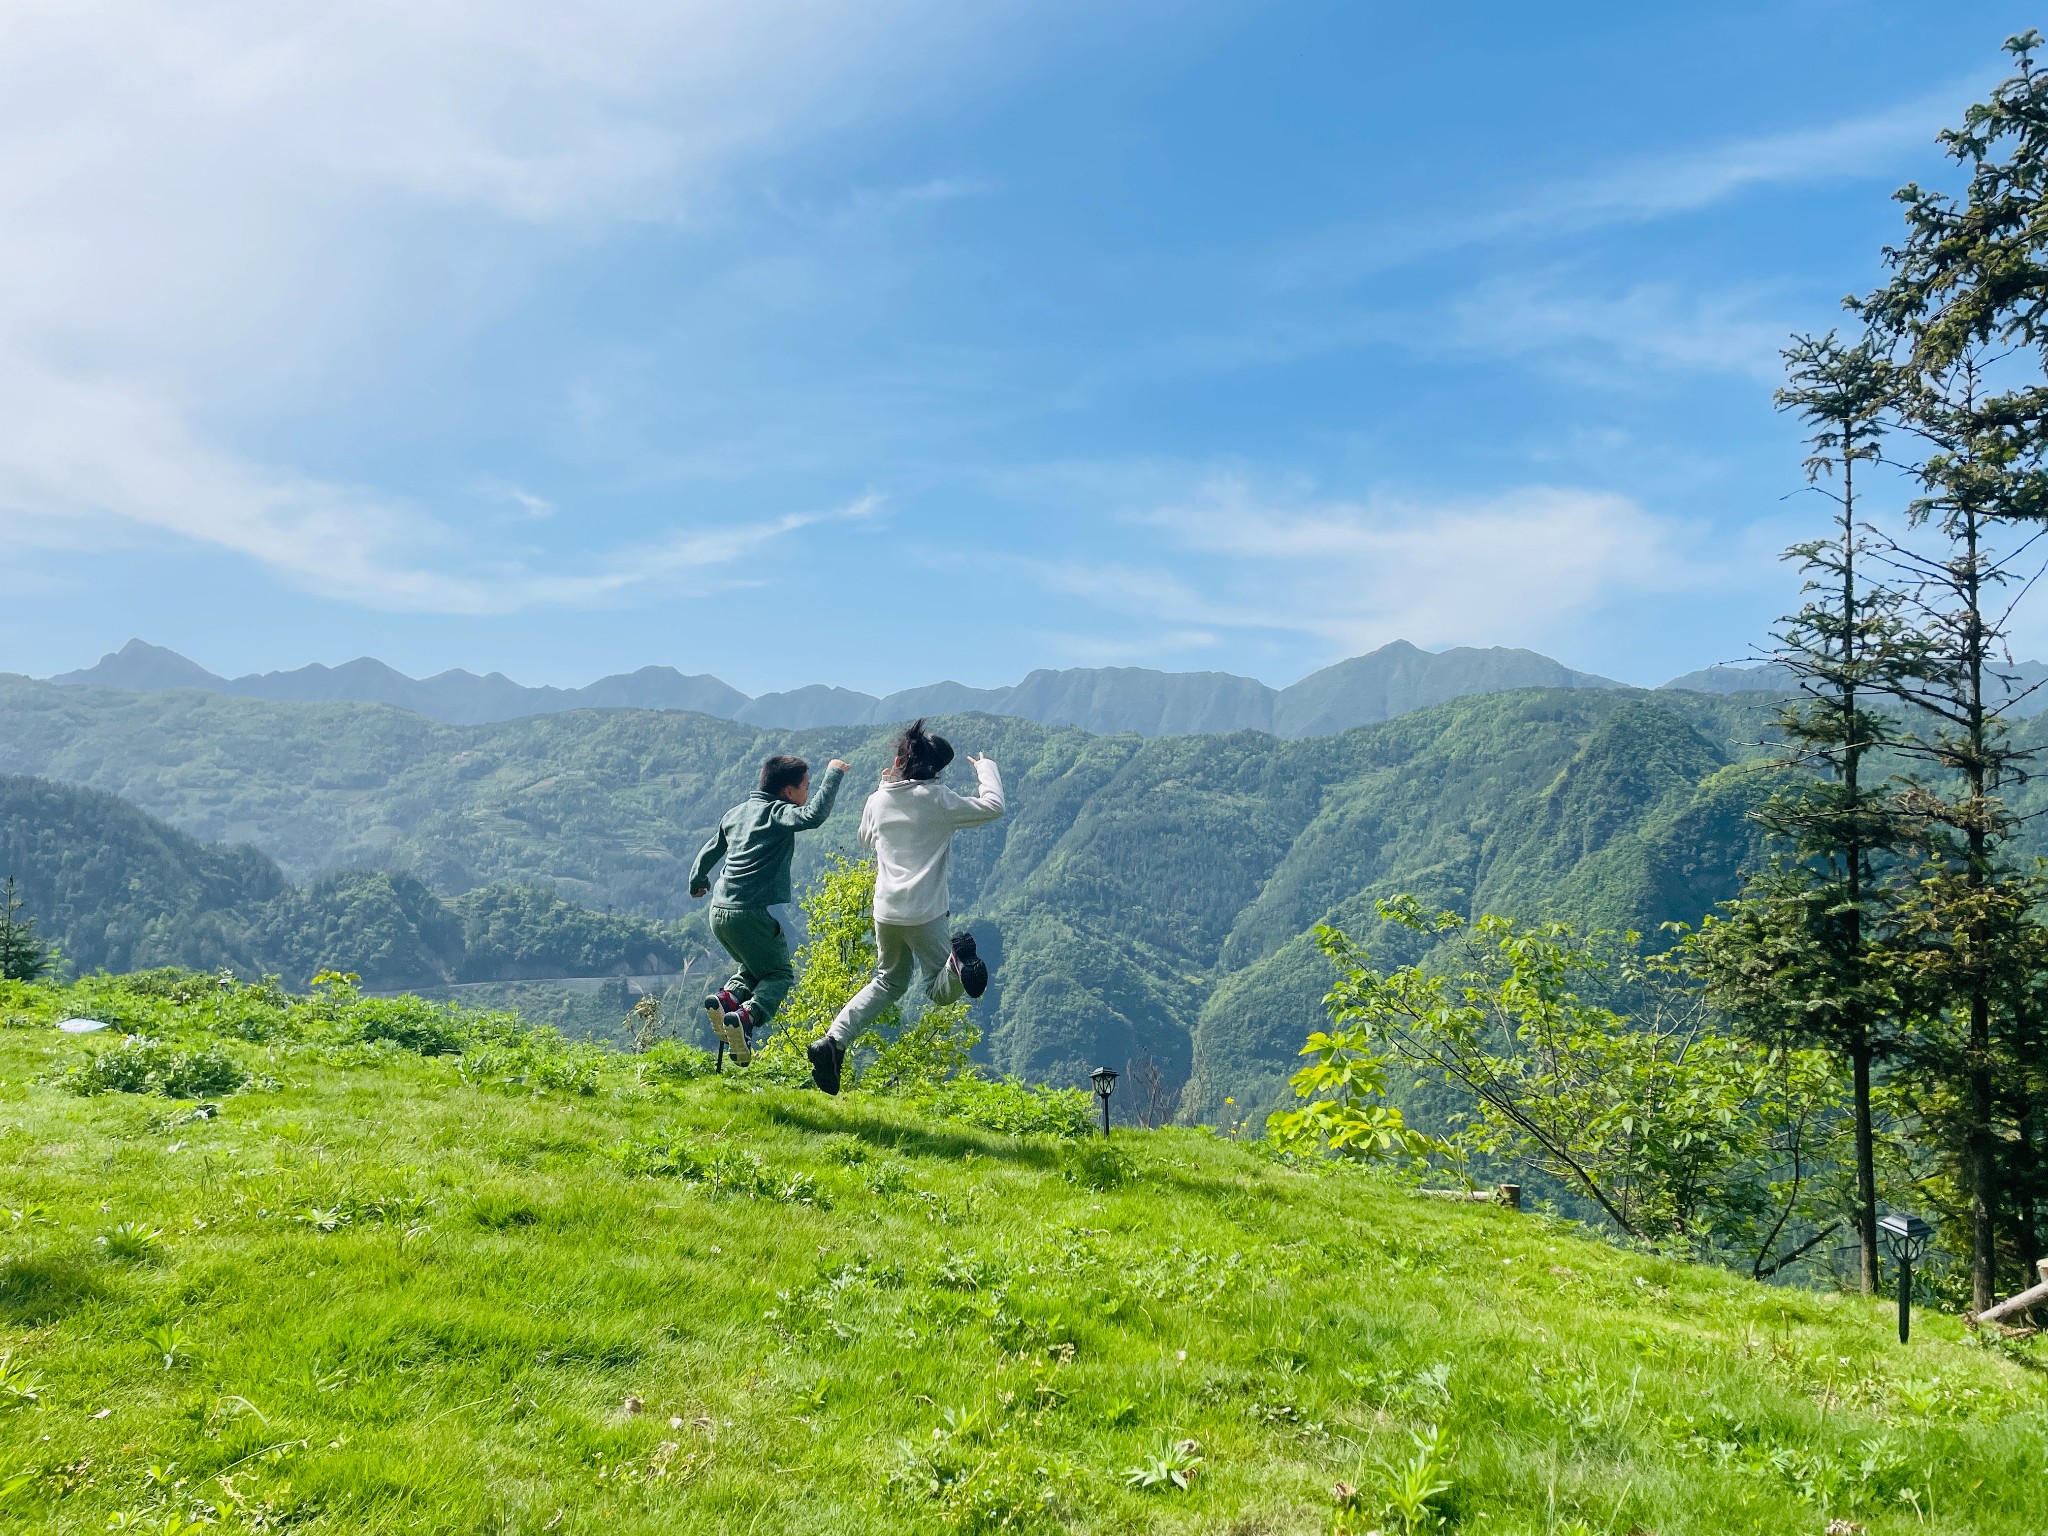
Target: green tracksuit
[(757, 839)]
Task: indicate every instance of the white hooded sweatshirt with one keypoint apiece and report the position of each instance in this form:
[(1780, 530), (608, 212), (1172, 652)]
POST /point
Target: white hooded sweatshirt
[(909, 824)]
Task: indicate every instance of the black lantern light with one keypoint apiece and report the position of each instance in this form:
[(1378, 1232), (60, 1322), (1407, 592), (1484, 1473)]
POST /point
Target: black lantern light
[(1907, 1237), (1104, 1079)]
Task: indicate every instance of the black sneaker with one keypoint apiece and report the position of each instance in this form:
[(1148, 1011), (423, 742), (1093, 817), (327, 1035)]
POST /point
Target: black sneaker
[(973, 970), (826, 1055)]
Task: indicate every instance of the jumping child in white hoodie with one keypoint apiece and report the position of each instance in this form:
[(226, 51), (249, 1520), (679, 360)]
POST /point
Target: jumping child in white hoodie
[(909, 824)]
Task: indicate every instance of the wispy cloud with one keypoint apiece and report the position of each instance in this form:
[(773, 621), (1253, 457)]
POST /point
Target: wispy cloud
[(865, 205), (1633, 191), (1586, 332), (1510, 568), (203, 207), (505, 493), (88, 464)]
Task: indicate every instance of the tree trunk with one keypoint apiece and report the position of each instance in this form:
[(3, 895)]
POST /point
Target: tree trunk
[(1980, 1141), (1866, 1169), (1983, 1161)]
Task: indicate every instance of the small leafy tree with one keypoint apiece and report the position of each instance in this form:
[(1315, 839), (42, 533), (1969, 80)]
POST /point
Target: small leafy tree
[(23, 954), (837, 959), (1671, 1127), (1347, 1112)]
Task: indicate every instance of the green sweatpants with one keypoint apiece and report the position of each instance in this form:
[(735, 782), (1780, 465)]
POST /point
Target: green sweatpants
[(762, 974)]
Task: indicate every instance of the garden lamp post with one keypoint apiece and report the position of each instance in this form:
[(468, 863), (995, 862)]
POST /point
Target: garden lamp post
[(1104, 1079), (1906, 1236)]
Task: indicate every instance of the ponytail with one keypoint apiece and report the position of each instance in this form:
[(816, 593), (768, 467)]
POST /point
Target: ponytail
[(921, 755)]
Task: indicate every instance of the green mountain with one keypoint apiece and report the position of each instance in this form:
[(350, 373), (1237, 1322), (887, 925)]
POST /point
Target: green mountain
[(118, 890), (1145, 898)]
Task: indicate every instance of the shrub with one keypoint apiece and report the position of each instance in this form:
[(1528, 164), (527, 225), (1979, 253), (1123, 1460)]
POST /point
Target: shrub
[(412, 1023), (140, 1065), (1003, 1104), (661, 1158), (538, 1061), (171, 984), (671, 1061), (1098, 1165)]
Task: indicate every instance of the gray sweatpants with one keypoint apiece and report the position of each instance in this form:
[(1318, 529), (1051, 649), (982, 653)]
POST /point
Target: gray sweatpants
[(901, 947)]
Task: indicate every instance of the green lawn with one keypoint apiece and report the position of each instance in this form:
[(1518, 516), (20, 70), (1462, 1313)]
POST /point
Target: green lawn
[(393, 1292)]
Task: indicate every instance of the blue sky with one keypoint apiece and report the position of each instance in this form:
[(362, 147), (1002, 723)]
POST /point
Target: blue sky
[(882, 341)]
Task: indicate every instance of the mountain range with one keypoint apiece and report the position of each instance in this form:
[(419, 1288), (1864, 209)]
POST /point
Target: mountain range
[(1390, 681)]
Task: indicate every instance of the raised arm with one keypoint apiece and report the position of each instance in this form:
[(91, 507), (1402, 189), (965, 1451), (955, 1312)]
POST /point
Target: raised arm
[(868, 832), (700, 869), (986, 803), (804, 817)]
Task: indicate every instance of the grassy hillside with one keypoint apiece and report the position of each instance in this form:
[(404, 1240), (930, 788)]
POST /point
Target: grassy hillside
[(517, 1287), (1144, 899)]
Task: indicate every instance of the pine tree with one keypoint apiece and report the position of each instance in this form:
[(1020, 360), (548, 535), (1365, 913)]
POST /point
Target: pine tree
[(1798, 958), (1980, 949), (23, 956), (1964, 317)]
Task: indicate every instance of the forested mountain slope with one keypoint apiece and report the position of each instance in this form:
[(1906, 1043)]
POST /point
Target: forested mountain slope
[(117, 889), (1144, 898)]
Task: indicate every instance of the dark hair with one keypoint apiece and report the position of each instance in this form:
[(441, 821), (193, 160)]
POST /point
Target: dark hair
[(780, 773), (920, 755)]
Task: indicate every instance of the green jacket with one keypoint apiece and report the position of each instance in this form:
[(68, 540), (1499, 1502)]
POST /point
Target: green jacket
[(757, 838)]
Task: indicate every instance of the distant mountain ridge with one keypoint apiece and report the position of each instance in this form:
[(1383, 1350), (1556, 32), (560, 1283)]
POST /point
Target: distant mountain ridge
[(1396, 678), (2025, 681)]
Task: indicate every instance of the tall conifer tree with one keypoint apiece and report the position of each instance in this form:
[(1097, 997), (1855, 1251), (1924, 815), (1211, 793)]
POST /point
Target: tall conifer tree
[(1965, 318), (1797, 959), (1979, 948)]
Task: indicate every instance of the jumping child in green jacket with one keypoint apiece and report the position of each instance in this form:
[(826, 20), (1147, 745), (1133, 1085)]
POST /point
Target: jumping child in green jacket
[(757, 838)]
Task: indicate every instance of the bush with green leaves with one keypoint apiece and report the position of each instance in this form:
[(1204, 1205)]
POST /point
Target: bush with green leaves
[(534, 1060), (411, 1023), (1099, 1165), (671, 1061), (1004, 1104), (142, 1065), (837, 959), (1674, 1130)]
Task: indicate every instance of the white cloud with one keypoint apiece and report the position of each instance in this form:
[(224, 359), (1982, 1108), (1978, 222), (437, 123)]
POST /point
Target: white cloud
[(204, 205), (1638, 190), (1653, 324), (505, 493), (85, 465), (1510, 568)]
